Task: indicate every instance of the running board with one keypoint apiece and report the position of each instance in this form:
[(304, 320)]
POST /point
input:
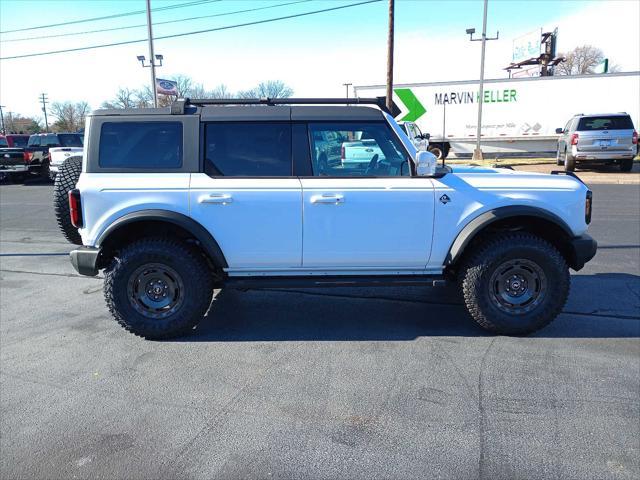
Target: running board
[(245, 283)]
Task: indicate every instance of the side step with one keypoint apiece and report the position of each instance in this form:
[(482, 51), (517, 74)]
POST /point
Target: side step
[(244, 283)]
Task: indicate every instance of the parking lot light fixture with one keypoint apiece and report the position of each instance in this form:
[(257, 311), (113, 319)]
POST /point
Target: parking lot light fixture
[(477, 153)]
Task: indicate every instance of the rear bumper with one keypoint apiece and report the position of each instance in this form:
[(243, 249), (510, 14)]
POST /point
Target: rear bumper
[(604, 155), (582, 249), (14, 168), (85, 260)]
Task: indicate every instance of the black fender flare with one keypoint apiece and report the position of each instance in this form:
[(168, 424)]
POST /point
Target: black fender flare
[(209, 244), (483, 220)]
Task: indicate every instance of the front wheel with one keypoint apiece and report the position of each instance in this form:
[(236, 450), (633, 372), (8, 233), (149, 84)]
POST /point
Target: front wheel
[(158, 288), (515, 283), (559, 160)]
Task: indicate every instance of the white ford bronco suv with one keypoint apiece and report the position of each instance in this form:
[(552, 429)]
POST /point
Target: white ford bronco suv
[(175, 202)]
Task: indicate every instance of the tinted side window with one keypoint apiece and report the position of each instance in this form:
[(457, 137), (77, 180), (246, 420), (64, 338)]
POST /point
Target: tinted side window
[(153, 145), (356, 150), (605, 123), (252, 149), (50, 141), (34, 141), (70, 139)]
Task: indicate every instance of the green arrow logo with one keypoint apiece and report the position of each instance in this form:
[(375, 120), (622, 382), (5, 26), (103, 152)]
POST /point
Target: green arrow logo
[(416, 110)]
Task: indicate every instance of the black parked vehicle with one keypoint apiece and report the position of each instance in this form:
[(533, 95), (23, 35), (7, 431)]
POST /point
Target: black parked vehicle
[(38, 149)]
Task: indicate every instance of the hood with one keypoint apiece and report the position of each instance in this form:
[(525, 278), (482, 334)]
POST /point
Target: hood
[(479, 169)]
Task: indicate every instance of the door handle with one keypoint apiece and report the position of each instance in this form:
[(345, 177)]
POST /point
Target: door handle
[(330, 199), (218, 198)]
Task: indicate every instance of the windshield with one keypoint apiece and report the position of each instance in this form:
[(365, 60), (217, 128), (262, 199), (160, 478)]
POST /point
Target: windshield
[(70, 139)]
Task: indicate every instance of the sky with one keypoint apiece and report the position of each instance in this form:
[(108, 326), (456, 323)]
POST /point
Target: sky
[(314, 54)]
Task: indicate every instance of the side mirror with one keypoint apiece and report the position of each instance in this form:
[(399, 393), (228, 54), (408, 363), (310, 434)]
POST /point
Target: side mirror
[(426, 136), (426, 164), (559, 130)]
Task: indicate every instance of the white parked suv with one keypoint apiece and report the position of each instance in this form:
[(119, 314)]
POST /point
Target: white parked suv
[(174, 202)]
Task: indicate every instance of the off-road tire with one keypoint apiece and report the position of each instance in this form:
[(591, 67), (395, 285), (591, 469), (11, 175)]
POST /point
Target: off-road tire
[(66, 180), (626, 164), (479, 267), (187, 262), (52, 176), (569, 162)]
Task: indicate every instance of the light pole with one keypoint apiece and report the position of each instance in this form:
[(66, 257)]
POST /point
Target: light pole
[(152, 63), (390, 57), (347, 85), (477, 153)]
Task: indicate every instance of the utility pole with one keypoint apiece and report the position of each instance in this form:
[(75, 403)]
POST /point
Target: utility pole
[(347, 85), (2, 117), (151, 56), (477, 153), (10, 115), (43, 99), (390, 58)]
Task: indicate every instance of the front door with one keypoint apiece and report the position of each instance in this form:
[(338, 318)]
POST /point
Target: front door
[(247, 197), (367, 212)]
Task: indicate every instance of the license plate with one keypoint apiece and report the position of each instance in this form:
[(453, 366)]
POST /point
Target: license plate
[(605, 143)]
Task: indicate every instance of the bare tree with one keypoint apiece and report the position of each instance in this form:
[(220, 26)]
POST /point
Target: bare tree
[(125, 98), (270, 89), (69, 116), (221, 91), (580, 61), (184, 84)]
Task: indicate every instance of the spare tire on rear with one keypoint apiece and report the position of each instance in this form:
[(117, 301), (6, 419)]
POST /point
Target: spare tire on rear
[(66, 180)]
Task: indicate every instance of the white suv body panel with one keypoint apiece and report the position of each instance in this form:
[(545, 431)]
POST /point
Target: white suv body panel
[(367, 222), (108, 196), (472, 194), (256, 221)]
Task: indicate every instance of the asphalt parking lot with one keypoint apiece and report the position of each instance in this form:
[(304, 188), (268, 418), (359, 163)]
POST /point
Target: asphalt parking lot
[(344, 383)]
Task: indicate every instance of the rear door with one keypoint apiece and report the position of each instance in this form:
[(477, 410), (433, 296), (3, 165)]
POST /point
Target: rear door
[(247, 196), (605, 133)]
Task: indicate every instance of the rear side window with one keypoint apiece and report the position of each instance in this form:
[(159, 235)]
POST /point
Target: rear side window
[(50, 141), (19, 141), (252, 149), (70, 139), (153, 145), (34, 141), (605, 123)]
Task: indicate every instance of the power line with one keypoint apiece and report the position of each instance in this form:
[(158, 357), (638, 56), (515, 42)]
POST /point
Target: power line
[(116, 15), (128, 42), (155, 23)]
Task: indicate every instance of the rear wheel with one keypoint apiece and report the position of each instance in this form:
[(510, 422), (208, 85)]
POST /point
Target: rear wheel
[(515, 284), (158, 288), (626, 165), (66, 180), (436, 150), (569, 162)]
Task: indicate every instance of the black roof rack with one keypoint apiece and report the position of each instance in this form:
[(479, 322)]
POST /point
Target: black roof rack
[(178, 107)]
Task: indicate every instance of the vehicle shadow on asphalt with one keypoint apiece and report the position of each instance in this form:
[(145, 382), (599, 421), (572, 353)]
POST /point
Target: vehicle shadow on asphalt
[(600, 306)]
